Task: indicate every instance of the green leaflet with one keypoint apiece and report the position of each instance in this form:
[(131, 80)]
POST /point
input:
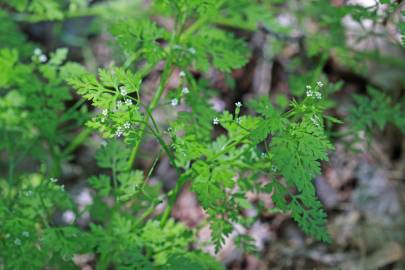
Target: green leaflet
[(140, 38), (375, 110), (218, 48), (297, 154)]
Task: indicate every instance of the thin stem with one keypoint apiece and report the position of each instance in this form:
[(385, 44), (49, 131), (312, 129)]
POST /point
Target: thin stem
[(114, 174), (156, 97), (159, 137), (200, 23), (155, 100), (173, 194), (77, 141), (72, 109), (11, 161), (147, 212)]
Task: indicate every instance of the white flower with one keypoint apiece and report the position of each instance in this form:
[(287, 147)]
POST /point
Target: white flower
[(315, 121), (119, 103), (25, 234), (238, 104), (182, 74), (118, 132), (318, 95), (320, 84), (68, 217), (192, 50), (215, 121), (37, 51), (105, 112), (53, 180), (128, 102), (43, 58), (102, 120), (127, 125), (308, 87), (123, 90), (17, 241), (185, 90), (310, 93), (174, 102)]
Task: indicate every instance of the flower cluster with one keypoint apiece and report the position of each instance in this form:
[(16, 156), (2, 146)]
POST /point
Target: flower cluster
[(315, 120), (174, 102), (185, 90), (41, 57), (314, 93), (215, 121), (123, 91), (120, 130)]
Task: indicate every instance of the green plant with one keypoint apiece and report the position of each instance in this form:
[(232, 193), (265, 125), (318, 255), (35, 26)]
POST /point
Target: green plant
[(223, 170)]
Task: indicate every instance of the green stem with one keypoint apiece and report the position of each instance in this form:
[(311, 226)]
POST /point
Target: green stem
[(10, 172), (154, 102), (159, 137), (77, 141), (200, 22), (173, 194), (147, 212), (228, 147), (11, 161)]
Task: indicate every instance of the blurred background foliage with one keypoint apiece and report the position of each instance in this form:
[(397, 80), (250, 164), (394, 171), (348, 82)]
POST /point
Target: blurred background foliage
[(355, 47)]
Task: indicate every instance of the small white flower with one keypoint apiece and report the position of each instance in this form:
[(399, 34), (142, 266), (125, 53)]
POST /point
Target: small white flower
[(310, 93), (102, 120), (17, 241), (215, 121), (25, 234), (37, 51), (182, 74), (127, 125), (53, 180), (185, 90), (315, 121), (68, 217), (238, 104), (123, 91), (118, 132), (320, 84), (119, 103), (192, 50), (308, 87), (128, 102), (174, 102), (43, 58), (318, 95), (105, 112)]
